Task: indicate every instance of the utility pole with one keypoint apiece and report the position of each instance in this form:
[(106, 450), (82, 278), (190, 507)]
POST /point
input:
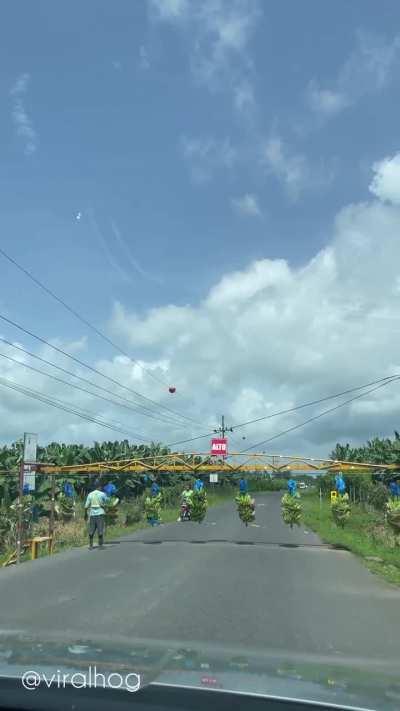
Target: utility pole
[(222, 430)]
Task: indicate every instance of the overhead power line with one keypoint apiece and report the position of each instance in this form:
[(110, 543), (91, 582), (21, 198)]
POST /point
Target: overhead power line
[(317, 417), (315, 402), (140, 409), (190, 439), (65, 407), (94, 370), (77, 387), (79, 316)]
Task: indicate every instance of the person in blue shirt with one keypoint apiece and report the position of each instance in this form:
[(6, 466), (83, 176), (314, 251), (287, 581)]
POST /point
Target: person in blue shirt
[(243, 486), (198, 485)]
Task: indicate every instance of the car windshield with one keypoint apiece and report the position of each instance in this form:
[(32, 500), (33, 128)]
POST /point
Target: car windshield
[(199, 344)]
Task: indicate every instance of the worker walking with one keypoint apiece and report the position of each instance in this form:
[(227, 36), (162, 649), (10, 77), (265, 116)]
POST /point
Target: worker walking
[(94, 508)]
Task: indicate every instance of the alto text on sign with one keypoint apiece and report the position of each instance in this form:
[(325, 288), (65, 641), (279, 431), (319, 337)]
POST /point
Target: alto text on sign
[(219, 447)]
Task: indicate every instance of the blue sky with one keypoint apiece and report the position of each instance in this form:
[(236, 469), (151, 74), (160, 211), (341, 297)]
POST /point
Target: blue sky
[(193, 140)]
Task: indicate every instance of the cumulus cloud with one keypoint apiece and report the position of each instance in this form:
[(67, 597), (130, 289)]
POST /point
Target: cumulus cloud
[(22, 121), (291, 169), (218, 34), (266, 337), (169, 9), (369, 68), (246, 205), (325, 101), (386, 182), (296, 173), (205, 155), (244, 98), (270, 336)]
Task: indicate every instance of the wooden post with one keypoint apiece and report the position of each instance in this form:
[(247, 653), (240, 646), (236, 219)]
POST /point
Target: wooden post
[(20, 521), (52, 511)]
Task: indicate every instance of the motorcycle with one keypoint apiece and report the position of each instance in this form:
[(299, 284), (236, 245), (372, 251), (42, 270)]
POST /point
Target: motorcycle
[(185, 512)]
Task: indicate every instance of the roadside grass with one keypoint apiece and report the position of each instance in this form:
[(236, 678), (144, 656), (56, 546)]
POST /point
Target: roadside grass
[(74, 533), (365, 534)]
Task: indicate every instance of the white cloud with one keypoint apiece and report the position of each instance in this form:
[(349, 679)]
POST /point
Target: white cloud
[(370, 68), (218, 33), (127, 255), (22, 122), (270, 336), (265, 337), (326, 102), (294, 170), (205, 155), (169, 9), (291, 169), (244, 99), (386, 182), (247, 205)]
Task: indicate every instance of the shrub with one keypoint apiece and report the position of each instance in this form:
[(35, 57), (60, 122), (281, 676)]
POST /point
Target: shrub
[(134, 514), (378, 496)]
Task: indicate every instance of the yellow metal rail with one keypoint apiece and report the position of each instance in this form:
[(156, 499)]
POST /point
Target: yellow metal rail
[(202, 462)]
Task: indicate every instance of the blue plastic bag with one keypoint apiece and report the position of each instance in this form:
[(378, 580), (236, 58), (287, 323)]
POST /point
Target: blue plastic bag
[(155, 489), (243, 486), (68, 489), (109, 489), (292, 487), (340, 484)]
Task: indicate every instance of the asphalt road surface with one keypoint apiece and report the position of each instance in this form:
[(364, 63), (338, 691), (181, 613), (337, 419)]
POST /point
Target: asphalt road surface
[(260, 587)]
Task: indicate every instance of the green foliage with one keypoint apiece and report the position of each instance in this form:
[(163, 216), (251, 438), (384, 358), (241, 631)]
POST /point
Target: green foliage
[(8, 524), (111, 509), (393, 515), (199, 506), (64, 507), (341, 509), (245, 508), (134, 514), (291, 509), (364, 534), (376, 451), (378, 496), (152, 507)]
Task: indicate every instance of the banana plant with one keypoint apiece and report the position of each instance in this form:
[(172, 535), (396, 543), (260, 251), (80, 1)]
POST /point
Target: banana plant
[(199, 506), (291, 509), (111, 509), (152, 507), (341, 510), (393, 517), (245, 508)]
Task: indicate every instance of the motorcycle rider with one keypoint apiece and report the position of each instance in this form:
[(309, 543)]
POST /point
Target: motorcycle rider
[(186, 501)]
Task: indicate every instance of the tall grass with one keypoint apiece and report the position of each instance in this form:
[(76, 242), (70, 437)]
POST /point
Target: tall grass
[(365, 534)]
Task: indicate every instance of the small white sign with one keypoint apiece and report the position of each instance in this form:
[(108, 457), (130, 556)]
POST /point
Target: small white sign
[(30, 450), (213, 478), (29, 478)]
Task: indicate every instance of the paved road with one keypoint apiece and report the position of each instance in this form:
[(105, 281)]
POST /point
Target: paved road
[(264, 587)]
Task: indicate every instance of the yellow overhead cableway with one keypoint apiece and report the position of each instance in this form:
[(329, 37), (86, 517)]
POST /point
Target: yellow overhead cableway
[(236, 462)]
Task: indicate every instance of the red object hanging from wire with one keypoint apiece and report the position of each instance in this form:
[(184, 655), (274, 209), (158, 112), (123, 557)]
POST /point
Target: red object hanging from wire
[(172, 389)]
